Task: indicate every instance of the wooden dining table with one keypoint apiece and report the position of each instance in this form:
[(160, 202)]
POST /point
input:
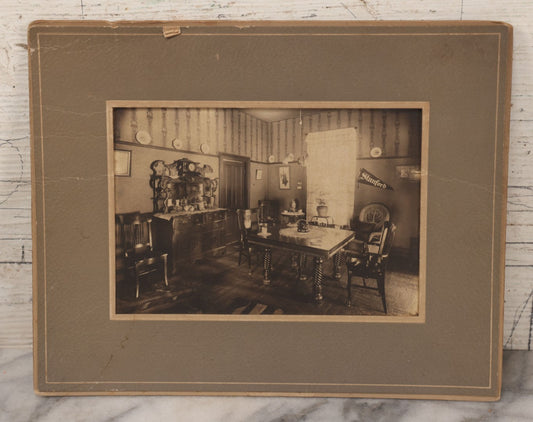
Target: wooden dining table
[(322, 243)]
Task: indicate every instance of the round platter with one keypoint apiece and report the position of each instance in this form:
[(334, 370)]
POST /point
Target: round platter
[(143, 137), (376, 152), (177, 144)]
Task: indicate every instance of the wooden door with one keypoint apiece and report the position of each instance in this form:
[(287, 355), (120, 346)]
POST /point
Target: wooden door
[(234, 182), (233, 190)]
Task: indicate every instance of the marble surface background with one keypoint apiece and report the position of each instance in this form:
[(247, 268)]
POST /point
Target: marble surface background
[(19, 403)]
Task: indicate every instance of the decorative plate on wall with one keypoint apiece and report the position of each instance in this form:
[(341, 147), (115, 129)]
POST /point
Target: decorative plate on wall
[(271, 159), (204, 148), (288, 159), (376, 152), (177, 144), (143, 137)]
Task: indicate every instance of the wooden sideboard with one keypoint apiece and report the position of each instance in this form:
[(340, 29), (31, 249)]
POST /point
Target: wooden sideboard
[(187, 236)]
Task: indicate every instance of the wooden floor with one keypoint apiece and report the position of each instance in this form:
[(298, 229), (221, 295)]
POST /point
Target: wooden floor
[(220, 286)]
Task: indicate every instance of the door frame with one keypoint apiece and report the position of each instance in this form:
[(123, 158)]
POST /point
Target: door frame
[(241, 159)]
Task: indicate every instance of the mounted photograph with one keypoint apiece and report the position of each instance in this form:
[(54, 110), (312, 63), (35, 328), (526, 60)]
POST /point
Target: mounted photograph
[(317, 207), (260, 210)]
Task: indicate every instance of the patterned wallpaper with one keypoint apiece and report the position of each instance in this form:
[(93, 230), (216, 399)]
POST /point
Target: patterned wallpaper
[(223, 130), (396, 132), (232, 131)]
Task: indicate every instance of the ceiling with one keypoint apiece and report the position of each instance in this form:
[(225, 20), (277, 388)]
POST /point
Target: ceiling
[(277, 114)]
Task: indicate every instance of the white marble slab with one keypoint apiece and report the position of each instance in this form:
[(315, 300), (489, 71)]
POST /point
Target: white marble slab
[(19, 403)]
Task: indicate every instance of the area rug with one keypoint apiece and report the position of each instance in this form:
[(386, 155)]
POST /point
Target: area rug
[(255, 308)]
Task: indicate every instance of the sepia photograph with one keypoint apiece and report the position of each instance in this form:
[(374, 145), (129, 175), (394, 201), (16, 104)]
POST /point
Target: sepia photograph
[(268, 211), (276, 209)]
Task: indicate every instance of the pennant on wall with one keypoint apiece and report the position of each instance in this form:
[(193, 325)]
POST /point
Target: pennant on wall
[(369, 179)]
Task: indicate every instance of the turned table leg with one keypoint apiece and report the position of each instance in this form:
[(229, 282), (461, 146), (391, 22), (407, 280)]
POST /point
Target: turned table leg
[(165, 269), (337, 261), (317, 283), (267, 263), (137, 281), (302, 259)]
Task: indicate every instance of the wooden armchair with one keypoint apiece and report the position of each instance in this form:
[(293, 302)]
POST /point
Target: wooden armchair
[(371, 263), (138, 253), (368, 226)]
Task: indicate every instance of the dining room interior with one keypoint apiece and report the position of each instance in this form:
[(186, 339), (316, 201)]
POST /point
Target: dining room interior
[(294, 210)]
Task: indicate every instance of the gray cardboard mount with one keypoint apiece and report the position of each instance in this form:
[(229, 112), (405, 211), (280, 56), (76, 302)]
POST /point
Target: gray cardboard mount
[(461, 69)]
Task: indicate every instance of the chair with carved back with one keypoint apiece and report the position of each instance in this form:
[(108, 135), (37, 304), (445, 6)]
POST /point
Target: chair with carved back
[(137, 245), (368, 226), (371, 219), (248, 220), (371, 263)]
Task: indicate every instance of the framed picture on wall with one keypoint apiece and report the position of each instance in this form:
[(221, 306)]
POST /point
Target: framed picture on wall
[(284, 178), (122, 162), (194, 292)]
